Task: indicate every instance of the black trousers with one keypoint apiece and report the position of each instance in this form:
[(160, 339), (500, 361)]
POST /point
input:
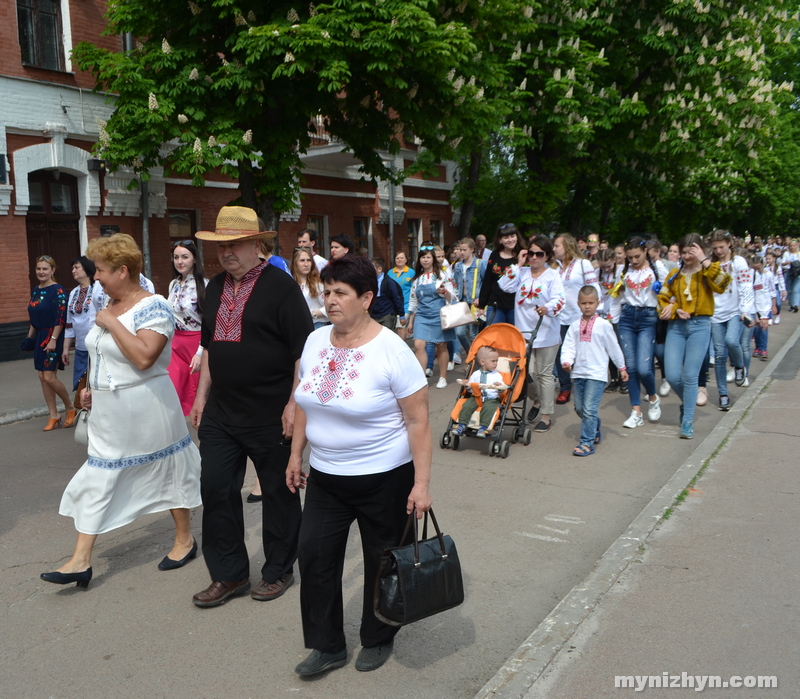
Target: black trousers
[(224, 450), (378, 503)]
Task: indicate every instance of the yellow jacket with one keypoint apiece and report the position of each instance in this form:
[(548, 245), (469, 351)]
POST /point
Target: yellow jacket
[(694, 292)]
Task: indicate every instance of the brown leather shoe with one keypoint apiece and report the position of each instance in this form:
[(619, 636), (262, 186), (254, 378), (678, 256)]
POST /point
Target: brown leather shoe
[(264, 591), (563, 397), (219, 591)]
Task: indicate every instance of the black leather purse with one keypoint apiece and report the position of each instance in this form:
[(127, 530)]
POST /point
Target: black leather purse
[(420, 579)]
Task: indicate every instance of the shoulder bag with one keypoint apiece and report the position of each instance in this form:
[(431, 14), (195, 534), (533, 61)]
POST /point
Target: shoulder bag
[(420, 579)]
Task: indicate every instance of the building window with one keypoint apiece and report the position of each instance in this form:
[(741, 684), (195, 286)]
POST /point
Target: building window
[(182, 224), (361, 233), (436, 233), (40, 33)]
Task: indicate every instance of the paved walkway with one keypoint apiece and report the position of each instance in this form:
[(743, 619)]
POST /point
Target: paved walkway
[(710, 596)]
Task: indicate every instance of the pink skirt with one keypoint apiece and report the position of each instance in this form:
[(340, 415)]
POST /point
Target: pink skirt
[(184, 347)]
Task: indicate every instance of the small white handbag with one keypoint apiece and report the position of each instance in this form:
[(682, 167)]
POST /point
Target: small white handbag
[(455, 315), (81, 429)]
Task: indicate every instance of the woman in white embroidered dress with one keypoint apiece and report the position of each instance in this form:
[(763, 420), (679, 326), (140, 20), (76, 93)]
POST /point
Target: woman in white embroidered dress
[(187, 292), (80, 318), (305, 273), (362, 403), (140, 457), (575, 272), (538, 294)]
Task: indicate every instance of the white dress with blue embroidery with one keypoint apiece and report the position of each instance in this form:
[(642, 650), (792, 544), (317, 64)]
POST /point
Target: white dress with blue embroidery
[(141, 458)]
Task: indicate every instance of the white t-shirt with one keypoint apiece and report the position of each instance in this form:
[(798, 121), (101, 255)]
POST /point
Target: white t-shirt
[(738, 297), (575, 275), (320, 262), (350, 397), (492, 377)]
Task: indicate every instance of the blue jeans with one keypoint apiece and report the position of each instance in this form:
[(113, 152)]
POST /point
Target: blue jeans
[(637, 334), (430, 351), (793, 290), (564, 378), (587, 394), (761, 337), (727, 338), (466, 334), (499, 315), (685, 349), (747, 353)]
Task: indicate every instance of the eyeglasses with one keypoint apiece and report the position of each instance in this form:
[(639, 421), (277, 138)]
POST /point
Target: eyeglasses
[(182, 243), (425, 248), (537, 253)]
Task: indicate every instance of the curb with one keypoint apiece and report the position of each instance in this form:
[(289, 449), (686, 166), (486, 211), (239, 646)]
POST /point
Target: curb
[(13, 416), (519, 673)]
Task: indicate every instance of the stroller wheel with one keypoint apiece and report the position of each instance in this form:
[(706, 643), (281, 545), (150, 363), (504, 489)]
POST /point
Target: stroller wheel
[(526, 437), (494, 449), (445, 441), (505, 448), (516, 435), (456, 442)]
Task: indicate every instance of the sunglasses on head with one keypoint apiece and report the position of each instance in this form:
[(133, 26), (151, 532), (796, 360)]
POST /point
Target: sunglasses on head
[(426, 248), (505, 225), (537, 253), (182, 243), (45, 258)]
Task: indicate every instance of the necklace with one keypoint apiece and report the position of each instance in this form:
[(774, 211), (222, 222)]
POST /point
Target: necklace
[(332, 363), (129, 305)]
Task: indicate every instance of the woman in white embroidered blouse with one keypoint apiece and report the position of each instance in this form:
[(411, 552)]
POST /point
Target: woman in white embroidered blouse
[(80, 317), (141, 459), (576, 272), (362, 404), (538, 293), (305, 273), (187, 293)]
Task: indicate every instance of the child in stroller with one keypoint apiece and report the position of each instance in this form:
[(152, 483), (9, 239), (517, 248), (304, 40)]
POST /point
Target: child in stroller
[(486, 384)]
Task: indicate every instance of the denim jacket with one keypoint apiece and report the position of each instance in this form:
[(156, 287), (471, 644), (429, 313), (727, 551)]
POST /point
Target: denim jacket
[(464, 279)]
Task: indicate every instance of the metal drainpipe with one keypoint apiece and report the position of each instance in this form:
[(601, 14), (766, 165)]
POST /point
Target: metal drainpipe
[(390, 260)]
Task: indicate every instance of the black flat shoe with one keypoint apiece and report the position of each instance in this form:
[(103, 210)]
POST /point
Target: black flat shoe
[(319, 662), (533, 413), (168, 564), (80, 579), (254, 498)]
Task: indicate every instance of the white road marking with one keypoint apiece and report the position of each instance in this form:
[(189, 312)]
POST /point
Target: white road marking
[(550, 529), (564, 519), (541, 537)]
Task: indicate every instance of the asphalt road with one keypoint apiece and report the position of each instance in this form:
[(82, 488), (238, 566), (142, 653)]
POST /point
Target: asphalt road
[(528, 528)]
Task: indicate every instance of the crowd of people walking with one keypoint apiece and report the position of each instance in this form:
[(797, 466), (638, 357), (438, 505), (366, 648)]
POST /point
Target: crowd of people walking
[(266, 359)]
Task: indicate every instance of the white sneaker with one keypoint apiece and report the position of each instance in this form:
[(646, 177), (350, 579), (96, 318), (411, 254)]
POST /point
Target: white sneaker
[(776, 320), (731, 376), (746, 382), (635, 420), (456, 358), (428, 372), (441, 383), (450, 366), (712, 360), (702, 396), (654, 412), (664, 389)]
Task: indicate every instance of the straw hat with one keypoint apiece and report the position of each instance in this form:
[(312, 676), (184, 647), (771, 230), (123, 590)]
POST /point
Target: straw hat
[(235, 223)]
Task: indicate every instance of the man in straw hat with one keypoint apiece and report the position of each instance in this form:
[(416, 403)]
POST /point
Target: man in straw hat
[(254, 327)]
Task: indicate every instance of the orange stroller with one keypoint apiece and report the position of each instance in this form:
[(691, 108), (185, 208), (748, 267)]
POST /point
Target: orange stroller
[(514, 354)]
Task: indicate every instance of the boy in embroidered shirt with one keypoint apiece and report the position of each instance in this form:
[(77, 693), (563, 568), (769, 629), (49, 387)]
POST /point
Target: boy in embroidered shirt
[(491, 382), (589, 344)]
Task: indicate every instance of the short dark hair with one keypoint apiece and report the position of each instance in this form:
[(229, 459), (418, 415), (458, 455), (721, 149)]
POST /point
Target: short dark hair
[(86, 263), (379, 262), (353, 270), (312, 234), (345, 241), (543, 243), (589, 290)]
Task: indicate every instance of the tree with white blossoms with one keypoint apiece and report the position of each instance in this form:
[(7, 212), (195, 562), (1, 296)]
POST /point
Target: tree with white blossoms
[(622, 103), (237, 87)]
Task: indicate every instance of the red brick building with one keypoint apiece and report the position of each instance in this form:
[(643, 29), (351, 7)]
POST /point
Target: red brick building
[(55, 197)]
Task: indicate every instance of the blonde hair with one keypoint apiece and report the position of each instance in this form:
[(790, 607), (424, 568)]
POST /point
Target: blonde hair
[(571, 251), (312, 279), (50, 261), (117, 250)]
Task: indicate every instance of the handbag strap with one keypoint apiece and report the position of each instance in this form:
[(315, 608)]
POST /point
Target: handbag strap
[(413, 518), (474, 281)]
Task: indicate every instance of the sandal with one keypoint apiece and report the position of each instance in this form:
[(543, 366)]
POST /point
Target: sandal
[(583, 450), (598, 437)]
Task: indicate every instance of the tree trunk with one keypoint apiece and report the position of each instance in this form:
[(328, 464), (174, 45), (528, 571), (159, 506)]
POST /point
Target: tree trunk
[(262, 205), (468, 207)]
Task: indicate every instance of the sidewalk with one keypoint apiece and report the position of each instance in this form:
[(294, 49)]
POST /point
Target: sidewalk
[(20, 391), (713, 591)]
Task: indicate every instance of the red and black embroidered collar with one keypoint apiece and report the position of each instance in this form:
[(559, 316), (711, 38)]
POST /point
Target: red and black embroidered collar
[(228, 327)]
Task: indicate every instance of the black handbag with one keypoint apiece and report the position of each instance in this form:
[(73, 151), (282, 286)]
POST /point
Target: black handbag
[(420, 579)]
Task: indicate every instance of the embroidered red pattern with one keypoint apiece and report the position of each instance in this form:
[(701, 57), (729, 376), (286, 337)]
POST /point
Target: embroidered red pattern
[(228, 326), (586, 329)]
